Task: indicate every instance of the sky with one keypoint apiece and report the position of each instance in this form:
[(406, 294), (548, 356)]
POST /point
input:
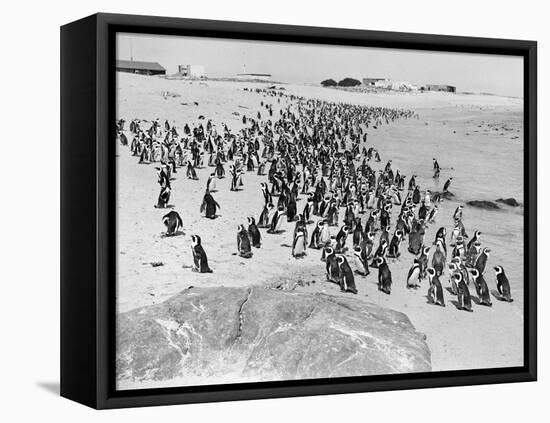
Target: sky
[(312, 63)]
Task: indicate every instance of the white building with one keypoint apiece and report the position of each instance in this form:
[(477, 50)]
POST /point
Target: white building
[(254, 76), (192, 71)]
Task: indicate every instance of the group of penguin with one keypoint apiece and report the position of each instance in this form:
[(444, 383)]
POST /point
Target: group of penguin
[(327, 141)]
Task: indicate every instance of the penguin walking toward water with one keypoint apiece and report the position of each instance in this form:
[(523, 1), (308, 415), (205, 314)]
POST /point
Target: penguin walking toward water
[(209, 206), (347, 281), (173, 223), (435, 291), (384, 276), (464, 297), (481, 260), (299, 244), (447, 184), (243, 243), (200, 259), (482, 289), (254, 233), (164, 197), (475, 238), (503, 286)]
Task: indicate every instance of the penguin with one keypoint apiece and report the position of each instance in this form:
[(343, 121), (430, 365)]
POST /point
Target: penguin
[(447, 184), (457, 215), (423, 261), (324, 236), (276, 221), (211, 183), (173, 223), (384, 276), (291, 209), (435, 291), (209, 205), (481, 288), (438, 259), (433, 212), (481, 260), (164, 197), (347, 281), (254, 233), (341, 237), (243, 242), (464, 298), (191, 173), (393, 250), (458, 250), (357, 233), (332, 268), (453, 268), (361, 261), (475, 238), (299, 244), (380, 253), (200, 259), (263, 221), (503, 286), (316, 236), (413, 277)]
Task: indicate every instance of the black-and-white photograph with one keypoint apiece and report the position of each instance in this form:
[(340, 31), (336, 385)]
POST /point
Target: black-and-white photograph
[(296, 211)]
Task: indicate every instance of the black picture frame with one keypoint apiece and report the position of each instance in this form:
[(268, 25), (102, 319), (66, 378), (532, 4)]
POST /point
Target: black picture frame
[(88, 209)]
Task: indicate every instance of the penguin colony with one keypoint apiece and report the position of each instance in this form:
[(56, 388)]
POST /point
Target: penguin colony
[(316, 152)]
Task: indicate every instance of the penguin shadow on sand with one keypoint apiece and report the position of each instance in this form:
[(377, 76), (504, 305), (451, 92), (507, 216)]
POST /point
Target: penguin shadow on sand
[(167, 206), (499, 297), (177, 233)]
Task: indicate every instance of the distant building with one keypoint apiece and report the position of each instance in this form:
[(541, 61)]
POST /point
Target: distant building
[(371, 82), (435, 87), (254, 76), (142, 68), (192, 71), (389, 84)]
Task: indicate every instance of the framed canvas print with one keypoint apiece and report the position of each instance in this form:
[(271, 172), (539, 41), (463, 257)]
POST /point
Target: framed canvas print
[(255, 211)]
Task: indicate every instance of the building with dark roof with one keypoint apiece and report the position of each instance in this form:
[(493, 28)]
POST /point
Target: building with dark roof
[(142, 68), (436, 87)]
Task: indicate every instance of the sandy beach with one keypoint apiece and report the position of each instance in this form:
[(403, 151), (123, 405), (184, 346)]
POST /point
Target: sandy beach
[(477, 140)]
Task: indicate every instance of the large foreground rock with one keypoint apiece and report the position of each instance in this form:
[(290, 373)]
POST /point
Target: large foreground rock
[(224, 335)]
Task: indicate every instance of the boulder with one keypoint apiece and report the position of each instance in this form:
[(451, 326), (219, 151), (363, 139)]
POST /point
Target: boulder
[(509, 202), (483, 204), (224, 335)]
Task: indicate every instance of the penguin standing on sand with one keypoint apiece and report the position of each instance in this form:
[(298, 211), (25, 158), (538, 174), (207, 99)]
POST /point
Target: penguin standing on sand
[(263, 221), (299, 244), (199, 256), (393, 250), (276, 221), (324, 236), (347, 281), (332, 268), (458, 213), (438, 259), (384, 276), (481, 288), (361, 261), (341, 237), (191, 172), (481, 260), (475, 238), (503, 286), (435, 291), (316, 236), (433, 212), (164, 197), (464, 297), (173, 223), (243, 243), (254, 233), (423, 261), (413, 277), (211, 183), (209, 205)]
